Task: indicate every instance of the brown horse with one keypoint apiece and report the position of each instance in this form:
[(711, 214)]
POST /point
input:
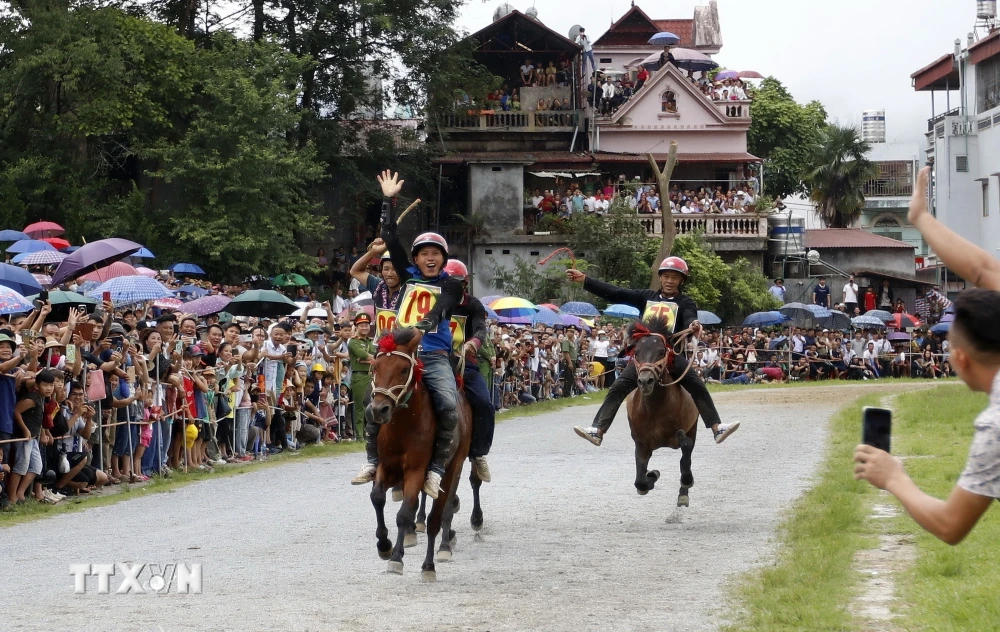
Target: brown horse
[(660, 412), (402, 404)]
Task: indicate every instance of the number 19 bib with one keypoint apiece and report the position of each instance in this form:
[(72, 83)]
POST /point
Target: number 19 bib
[(418, 300), (664, 309)]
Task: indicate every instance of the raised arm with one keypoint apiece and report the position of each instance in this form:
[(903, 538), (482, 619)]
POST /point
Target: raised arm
[(360, 268), (963, 257), (611, 293), (391, 186)]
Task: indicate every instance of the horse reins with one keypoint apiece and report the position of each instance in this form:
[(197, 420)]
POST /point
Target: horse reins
[(663, 363), (399, 391)]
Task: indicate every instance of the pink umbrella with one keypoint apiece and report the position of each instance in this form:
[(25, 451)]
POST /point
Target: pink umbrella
[(168, 303), (47, 229), (115, 270), (146, 272), (750, 74)]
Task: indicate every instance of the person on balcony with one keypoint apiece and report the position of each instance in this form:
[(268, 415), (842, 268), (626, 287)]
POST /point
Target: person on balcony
[(641, 77), (666, 57)]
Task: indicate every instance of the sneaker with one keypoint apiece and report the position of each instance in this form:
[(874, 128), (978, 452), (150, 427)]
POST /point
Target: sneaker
[(217, 462), (49, 497), (591, 434), (482, 469), (432, 486), (365, 475), (725, 430)]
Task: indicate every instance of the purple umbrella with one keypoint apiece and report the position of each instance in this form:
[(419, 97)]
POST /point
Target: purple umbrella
[(93, 256), (569, 319), (898, 336), (727, 74), (207, 305)]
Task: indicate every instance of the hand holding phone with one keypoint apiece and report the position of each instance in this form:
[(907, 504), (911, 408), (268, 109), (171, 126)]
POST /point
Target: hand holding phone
[(876, 427)]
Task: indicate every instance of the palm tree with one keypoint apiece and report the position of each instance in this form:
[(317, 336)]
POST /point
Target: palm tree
[(836, 174)]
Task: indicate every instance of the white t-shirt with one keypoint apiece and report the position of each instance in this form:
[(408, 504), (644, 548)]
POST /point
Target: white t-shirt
[(271, 366), (982, 468), (525, 69), (536, 201), (600, 348), (850, 293), (589, 203), (73, 441)]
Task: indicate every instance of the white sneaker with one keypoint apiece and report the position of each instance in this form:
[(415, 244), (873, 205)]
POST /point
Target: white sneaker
[(217, 462), (49, 497), (591, 434), (432, 486), (482, 469), (725, 430), (365, 475)]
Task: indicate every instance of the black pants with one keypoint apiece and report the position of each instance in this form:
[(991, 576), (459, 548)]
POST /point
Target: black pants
[(567, 379), (278, 436), (483, 415), (628, 380)]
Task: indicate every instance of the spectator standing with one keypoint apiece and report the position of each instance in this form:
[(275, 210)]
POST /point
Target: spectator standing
[(778, 290), (588, 50), (885, 297), (850, 296), (869, 300), (821, 294), (569, 356)]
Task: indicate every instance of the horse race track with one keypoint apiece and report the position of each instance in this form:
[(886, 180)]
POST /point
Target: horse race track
[(567, 542)]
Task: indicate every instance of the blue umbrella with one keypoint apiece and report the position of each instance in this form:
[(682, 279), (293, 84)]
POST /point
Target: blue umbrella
[(490, 313), (941, 328), (70, 250), (579, 308), (13, 235), (186, 268), (126, 290), (12, 302), (881, 314), (664, 38), (546, 316), (819, 311), (836, 320), (29, 245), (708, 318), (867, 321), (621, 311), (144, 253), (764, 319), (191, 290), (569, 319), (18, 279)]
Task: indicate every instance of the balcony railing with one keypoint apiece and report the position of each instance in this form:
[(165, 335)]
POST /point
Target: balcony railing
[(734, 109), (719, 226), (554, 120)]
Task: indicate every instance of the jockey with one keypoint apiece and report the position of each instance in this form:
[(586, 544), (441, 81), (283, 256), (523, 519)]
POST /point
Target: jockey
[(476, 391), (673, 273), (385, 291), (430, 254)]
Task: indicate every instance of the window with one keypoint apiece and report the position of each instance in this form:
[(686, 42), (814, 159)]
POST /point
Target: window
[(886, 222), (988, 84), (893, 179), (668, 102), (962, 164), (888, 227), (986, 198), (604, 60)]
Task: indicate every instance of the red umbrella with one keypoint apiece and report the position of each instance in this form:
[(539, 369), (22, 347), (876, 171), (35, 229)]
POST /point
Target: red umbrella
[(113, 271), (750, 74), (56, 242), (904, 320), (554, 308), (49, 229)]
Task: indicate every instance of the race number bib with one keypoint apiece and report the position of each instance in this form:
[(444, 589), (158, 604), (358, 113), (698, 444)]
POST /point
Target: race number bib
[(457, 333), (418, 300), (385, 321), (665, 310)]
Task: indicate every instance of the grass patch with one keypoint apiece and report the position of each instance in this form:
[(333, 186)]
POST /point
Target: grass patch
[(728, 388), (948, 588), (811, 581), (552, 405)]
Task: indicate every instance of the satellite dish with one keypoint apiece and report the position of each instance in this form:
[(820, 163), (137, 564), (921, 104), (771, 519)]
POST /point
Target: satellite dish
[(502, 11), (813, 257), (574, 31), (532, 13)]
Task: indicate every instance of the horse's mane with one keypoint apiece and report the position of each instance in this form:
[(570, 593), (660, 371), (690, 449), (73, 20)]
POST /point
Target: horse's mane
[(655, 325)]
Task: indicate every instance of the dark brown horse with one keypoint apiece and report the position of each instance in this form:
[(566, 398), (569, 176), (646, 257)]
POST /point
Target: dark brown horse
[(402, 404), (660, 412)]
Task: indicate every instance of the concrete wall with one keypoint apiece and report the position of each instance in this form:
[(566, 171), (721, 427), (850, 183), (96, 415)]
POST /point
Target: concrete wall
[(530, 96), (799, 290), (496, 191), (892, 261), (531, 248)]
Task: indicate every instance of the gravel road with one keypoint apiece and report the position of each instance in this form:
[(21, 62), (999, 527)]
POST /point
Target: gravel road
[(567, 544)]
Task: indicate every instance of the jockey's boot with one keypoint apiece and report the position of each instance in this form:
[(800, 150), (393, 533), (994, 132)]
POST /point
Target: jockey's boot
[(624, 384), (724, 430), (444, 449), (482, 468), (367, 473)]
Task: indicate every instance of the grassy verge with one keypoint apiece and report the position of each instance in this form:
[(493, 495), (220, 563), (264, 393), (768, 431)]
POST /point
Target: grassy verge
[(948, 588), (725, 388), (811, 581), (552, 405)]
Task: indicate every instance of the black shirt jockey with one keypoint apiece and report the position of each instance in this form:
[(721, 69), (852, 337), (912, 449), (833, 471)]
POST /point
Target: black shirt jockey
[(684, 312), (471, 317)]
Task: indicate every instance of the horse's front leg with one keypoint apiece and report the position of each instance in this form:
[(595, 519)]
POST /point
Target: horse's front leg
[(422, 514), (687, 477), (644, 479), (412, 482), (477, 510), (383, 544)]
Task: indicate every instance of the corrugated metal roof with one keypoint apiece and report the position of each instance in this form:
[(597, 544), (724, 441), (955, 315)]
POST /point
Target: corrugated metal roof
[(850, 238)]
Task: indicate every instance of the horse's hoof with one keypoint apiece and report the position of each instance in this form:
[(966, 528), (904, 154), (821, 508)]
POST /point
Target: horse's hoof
[(476, 521), (653, 474), (421, 527), (443, 555), (384, 553), (409, 540), (429, 576), (682, 500), (642, 492), (394, 567)]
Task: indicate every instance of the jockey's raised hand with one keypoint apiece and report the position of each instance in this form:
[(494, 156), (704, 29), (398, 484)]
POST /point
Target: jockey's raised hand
[(390, 183), (575, 275)]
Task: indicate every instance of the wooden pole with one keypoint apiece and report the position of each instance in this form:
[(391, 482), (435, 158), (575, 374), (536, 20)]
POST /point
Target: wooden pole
[(669, 230)]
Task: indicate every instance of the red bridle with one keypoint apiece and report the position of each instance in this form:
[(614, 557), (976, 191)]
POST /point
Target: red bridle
[(638, 333)]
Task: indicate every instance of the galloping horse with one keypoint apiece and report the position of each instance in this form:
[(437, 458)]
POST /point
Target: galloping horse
[(475, 519), (402, 404), (660, 412)]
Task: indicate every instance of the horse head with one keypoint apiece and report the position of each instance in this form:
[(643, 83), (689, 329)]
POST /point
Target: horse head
[(395, 373), (651, 352)]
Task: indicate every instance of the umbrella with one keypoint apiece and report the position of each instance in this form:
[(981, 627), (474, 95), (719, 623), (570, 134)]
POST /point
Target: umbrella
[(764, 319), (948, 318), (191, 290), (49, 229), (116, 269), (168, 303), (71, 249), (546, 316), (144, 253), (126, 290), (13, 235), (554, 308), (62, 301), (897, 336), (146, 272), (289, 280), (12, 302), (664, 38), (512, 302), (569, 319), (621, 311), (882, 315), (315, 312), (692, 60), (28, 245), (517, 320), (39, 258), (941, 328), (489, 300), (708, 318), (750, 74), (43, 279), (727, 74), (94, 255), (186, 268), (801, 315), (209, 305), (580, 308), (836, 320), (354, 310), (867, 321), (904, 320), (365, 298), (490, 313), (262, 304), (56, 242), (18, 279)]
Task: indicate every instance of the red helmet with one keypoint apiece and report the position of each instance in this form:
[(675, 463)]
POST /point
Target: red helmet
[(429, 239), (676, 264), (457, 269)]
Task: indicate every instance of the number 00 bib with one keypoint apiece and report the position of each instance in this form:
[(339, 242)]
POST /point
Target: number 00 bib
[(664, 309), (385, 321)]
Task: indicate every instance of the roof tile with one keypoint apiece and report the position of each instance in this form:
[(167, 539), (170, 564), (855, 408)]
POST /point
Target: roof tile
[(850, 238)]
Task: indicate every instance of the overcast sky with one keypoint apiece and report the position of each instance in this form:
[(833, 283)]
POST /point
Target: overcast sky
[(851, 55)]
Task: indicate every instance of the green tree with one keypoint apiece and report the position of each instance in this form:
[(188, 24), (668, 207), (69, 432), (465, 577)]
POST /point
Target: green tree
[(524, 280), (781, 133), (836, 173)]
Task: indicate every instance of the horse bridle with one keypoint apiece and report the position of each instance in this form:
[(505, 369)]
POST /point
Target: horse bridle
[(662, 366), (400, 391)]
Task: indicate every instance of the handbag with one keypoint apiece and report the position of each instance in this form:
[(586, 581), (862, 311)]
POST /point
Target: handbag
[(222, 407), (96, 390)]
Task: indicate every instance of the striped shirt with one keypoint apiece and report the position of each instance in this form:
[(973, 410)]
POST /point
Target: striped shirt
[(982, 469)]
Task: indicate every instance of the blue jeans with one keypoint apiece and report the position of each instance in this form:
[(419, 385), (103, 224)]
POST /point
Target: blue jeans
[(439, 378), (593, 65)]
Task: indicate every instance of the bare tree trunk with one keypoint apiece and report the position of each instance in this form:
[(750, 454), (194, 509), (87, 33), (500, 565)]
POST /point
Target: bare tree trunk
[(667, 216), (258, 20)]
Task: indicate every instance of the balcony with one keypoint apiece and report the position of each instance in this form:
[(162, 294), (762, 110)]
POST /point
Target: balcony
[(524, 121), (734, 110), (723, 226)]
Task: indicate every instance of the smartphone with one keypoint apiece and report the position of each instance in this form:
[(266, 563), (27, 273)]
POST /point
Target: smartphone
[(106, 297), (876, 427), (293, 349), (246, 338), (43, 295), (82, 308), (70, 354), (178, 346)]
